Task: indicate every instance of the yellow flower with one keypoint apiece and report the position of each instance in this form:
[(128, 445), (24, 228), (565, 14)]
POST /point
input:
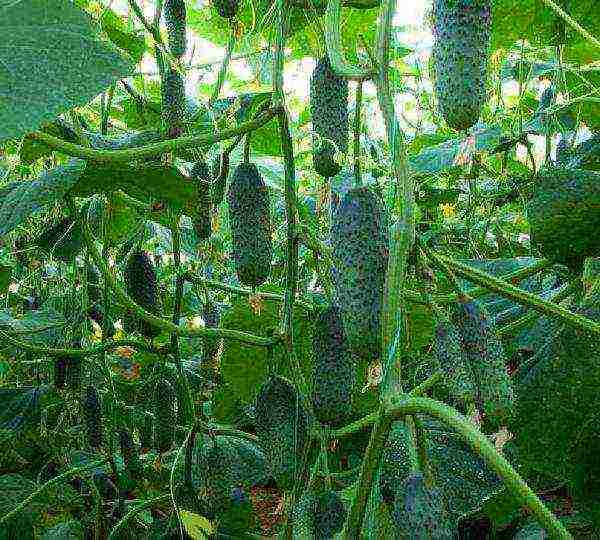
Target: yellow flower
[(448, 210)]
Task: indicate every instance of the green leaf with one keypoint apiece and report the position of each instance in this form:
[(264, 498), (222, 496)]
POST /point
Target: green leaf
[(265, 140), (4, 368), (431, 197), (116, 30), (245, 367), (462, 477), (63, 241), (13, 488), (502, 508), (442, 156), (138, 114), (68, 530), (256, 17), (198, 527), (420, 325), (150, 182), (557, 420), (121, 219), (584, 86), (5, 275), (22, 199), (535, 22), (50, 62), (39, 327), (307, 40)]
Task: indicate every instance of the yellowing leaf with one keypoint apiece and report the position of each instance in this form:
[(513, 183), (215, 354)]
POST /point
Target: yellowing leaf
[(198, 527), (256, 303), (119, 334), (448, 210), (125, 352)]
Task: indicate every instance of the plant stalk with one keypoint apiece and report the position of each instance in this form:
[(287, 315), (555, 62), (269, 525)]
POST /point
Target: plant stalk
[(141, 152), (480, 444), (520, 296)]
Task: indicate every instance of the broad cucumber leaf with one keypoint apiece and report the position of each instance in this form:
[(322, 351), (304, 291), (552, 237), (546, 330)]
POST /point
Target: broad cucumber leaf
[(534, 21), (14, 488), (245, 367), (67, 530), (22, 199), (198, 527), (149, 182), (444, 156), (5, 274), (556, 422), (50, 62), (63, 240), (41, 327), (116, 29)]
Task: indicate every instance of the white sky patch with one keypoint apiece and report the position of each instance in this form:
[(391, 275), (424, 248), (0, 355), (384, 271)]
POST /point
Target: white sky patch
[(410, 12)]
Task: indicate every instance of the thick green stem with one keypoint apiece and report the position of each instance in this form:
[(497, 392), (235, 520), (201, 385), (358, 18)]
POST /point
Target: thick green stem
[(402, 234), (157, 14), (217, 285), (370, 419), (223, 69), (357, 129), (106, 105), (517, 295), (76, 353), (333, 40), (355, 427), (107, 323), (290, 213), (370, 465), (179, 281), (424, 461), (402, 231), (477, 292), (171, 145), (279, 54), (134, 512), (400, 407), (323, 254), (528, 318), (299, 487), (428, 383), (289, 180)]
